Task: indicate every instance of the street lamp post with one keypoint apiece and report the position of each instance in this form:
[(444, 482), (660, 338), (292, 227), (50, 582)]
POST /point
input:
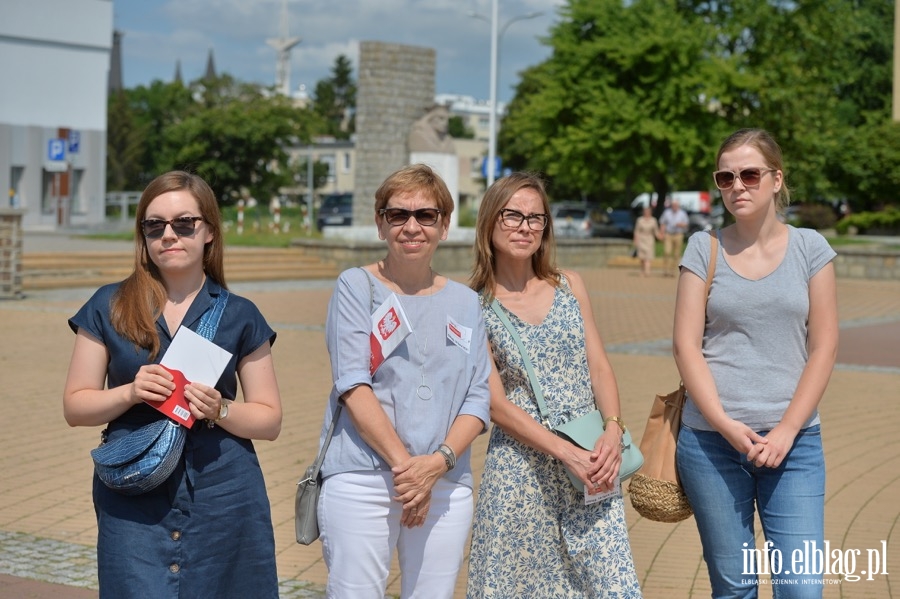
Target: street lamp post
[(496, 35)]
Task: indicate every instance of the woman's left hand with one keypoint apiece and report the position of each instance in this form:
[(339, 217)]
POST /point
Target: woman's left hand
[(771, 454), (204, 401), (607, 458), (414, 478)]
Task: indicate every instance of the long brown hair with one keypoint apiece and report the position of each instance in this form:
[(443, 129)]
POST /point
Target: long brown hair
[(140, 298), (543, 262)]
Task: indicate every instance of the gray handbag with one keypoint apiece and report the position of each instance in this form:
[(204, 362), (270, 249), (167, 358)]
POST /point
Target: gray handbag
[(306, 501), (582, 431), (141, 460)]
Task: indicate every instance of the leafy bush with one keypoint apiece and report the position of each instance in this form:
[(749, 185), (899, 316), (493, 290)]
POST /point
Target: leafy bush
[(885, 222), (813, 216)]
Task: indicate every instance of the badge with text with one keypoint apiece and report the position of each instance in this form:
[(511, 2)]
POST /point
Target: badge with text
[(389, 328), (615, 491), (459, 335)]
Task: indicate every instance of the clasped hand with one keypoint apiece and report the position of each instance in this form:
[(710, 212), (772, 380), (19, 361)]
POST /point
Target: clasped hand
[(763, 451), (155, 383), (599, 468), (413, 481)]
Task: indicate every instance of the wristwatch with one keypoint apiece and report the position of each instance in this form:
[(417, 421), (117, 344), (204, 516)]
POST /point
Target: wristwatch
[(223, 410)]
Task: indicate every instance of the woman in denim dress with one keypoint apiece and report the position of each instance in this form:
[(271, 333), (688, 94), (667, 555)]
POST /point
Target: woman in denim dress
[(206, 531)]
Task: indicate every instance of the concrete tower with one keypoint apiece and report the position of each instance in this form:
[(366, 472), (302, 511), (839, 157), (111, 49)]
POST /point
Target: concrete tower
[(283, 46)]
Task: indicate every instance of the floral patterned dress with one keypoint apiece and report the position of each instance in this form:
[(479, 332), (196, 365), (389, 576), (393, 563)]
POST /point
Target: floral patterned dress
[(533, 535)]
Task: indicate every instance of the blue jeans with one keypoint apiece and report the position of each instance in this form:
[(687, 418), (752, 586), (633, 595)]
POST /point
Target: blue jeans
[(725, 490)]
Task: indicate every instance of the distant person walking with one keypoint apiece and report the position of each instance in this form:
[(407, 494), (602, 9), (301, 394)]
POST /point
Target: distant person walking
[(673, 224), (646, 233)]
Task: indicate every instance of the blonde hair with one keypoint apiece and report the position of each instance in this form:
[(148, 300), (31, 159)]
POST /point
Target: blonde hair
[(543, 262), (139, 301), (765, 144)]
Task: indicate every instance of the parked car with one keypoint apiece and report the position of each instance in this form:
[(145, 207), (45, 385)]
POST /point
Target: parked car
[(581, 221), (336, 211), (623, 219)]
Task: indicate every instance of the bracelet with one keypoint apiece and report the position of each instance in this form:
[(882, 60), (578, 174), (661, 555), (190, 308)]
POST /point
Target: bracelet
[(449, 456), (617, 420)]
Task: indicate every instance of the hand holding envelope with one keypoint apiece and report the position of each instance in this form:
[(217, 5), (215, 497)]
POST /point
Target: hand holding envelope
[(190, 358)]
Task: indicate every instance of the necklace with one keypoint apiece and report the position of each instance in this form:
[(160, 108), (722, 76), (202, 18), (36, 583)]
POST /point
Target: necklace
[(423, 391)]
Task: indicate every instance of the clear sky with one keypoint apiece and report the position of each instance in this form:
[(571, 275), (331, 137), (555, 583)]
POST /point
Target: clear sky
[(158, 33)]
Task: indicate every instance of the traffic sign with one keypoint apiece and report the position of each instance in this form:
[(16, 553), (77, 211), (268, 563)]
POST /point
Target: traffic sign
[(74, 141), (484, 166), (56, 150)]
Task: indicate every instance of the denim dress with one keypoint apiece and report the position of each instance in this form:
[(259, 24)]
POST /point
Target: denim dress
[(206, 531)]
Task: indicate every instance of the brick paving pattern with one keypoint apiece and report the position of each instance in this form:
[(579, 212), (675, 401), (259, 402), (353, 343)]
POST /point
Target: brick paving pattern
[(47, 525)]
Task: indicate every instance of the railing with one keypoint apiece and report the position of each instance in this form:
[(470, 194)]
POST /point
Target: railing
[(122, 205)]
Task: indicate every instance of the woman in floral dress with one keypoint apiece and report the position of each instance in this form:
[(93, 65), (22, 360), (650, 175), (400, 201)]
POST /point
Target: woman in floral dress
[(535, 534)]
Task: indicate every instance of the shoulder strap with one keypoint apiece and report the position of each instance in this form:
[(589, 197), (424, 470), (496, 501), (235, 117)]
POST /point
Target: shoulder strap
[(337, 411), (535, 385), (209, 322), (713, 256)]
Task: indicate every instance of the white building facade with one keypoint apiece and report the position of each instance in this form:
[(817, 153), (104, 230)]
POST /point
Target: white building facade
[(54, 64)]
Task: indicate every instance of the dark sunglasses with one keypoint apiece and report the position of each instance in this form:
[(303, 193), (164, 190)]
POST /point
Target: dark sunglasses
[(750, 177), (398, 216), (183, 226)]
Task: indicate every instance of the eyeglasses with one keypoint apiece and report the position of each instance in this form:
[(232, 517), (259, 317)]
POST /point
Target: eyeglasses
[(182, 226), (514, 218), (396, 217), (750, 177)]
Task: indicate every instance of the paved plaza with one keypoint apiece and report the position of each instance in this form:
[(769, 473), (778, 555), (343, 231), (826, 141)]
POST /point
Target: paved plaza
[(47, 525)]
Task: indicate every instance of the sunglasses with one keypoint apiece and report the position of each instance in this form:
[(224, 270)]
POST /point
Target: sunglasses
[(398, 216), (513, 219), (750, 177), (183, 226)]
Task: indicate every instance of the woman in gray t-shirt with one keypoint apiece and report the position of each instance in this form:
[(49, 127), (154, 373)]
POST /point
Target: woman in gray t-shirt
[(755, 365)]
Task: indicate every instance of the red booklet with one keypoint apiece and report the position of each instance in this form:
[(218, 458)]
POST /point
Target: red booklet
[(176, 406)]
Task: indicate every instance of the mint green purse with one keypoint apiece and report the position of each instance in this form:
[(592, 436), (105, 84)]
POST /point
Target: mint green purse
[(582, 431)]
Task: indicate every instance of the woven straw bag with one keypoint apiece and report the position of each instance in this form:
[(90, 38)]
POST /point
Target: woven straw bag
[(655, 491)]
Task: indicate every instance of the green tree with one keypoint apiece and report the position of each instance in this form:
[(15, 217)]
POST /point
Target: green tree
[(153, 109), (239, 143), (125, 144), (334, 99), (623, 104), (457, 128)]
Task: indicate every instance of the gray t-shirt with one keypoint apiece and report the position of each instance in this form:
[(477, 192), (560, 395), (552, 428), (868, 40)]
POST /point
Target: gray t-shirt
[(756, 331), (449, 346)]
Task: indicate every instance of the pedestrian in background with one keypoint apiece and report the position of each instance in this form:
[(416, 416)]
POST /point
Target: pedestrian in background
[(673, 224), (646, 234), (535, 534), (207, 530), (397, 475), (755, 364)]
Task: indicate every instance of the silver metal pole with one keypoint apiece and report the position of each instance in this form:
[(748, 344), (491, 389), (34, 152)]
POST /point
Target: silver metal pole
[(492, 120)]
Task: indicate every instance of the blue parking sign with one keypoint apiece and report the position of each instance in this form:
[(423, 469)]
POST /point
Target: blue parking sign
[(74, 141), (56, 150)]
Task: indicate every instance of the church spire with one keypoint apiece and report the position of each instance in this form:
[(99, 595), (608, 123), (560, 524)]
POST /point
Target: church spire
[(115, 63), (210, 66), (178, 78)]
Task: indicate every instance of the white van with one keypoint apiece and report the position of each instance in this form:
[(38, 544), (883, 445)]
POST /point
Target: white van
[(691, 201)]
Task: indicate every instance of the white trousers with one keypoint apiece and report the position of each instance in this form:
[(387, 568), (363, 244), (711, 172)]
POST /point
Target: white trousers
[(360, 529)]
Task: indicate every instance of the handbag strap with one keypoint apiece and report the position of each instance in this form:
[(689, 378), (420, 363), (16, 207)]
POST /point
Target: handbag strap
[(532, 377), (317, 464), (713, 255)]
